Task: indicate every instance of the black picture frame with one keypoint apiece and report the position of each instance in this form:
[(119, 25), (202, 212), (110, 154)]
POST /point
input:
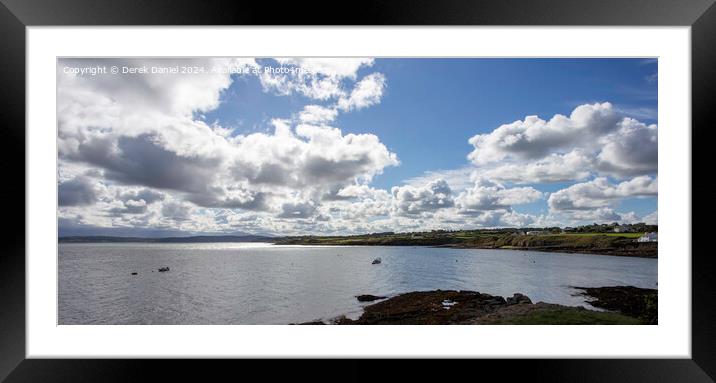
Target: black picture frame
[(16, 15)]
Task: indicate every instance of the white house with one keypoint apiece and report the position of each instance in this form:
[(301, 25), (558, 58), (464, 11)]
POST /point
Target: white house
[(648, 237)]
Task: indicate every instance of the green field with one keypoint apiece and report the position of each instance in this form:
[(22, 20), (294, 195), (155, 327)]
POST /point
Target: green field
[(609, 243), (570, 316), (625, 235)]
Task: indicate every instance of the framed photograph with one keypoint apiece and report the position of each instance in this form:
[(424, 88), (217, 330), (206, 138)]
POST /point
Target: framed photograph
[(483, 181)]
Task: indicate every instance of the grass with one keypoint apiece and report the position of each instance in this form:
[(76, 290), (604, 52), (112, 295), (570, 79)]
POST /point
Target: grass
[(625, 235), (442, 238), (570, 316), (589, 242)]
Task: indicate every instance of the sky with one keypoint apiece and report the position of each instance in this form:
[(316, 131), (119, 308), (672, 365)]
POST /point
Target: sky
[(288, 146)]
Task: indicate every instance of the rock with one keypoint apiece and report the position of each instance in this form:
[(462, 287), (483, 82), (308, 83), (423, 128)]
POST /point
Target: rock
[(428, 307), (495, 301), (134, 273), (440, 307), (342, 320), (628, 300), (368, 298), (163, 269), (518, 298)]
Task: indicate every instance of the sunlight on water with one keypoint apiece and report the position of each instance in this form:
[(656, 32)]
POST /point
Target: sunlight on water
[(259, 283)]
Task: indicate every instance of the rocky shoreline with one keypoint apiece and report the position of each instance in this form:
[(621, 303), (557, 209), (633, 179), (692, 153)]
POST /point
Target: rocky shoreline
[(625, 305), (628, 300), (639, 250), (621, 248), (602, 243)]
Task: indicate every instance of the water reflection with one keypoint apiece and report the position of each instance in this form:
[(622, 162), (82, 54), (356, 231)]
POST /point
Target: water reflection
[(264, 284)]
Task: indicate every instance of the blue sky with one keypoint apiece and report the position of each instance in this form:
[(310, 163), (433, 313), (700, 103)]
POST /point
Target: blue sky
[(436, 104), (424, 112), (431, 107)]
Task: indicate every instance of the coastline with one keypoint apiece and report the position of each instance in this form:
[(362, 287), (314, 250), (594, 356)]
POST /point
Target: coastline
[(639, 250), (644, 252), (622, 305), (648, 250), (596, 243)]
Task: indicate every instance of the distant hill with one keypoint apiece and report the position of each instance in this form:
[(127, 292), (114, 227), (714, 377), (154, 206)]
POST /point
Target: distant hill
[(192, 239)]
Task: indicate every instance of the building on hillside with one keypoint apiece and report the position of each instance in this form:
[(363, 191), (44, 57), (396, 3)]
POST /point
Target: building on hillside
[(648, 237)]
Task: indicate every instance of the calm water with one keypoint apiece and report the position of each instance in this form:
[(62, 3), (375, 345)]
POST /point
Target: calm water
[(234, 283)]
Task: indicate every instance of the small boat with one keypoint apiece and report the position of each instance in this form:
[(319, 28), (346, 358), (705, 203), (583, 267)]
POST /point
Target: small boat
[(162, 269), (377, 261)]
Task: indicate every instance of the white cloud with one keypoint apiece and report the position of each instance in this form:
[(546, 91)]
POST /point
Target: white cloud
[(652, 218), (366, 92), (412, 200), (572, 166), (140, 130), (515, 219), (363, 192), (488, 195), (142, 194), (317, 78), (631, 150), (93, 111), (176, 94), (458, 179), (140, 135), (77, 191), (315, 158), (638, 186), (178, 211), (130, 207), (599, 193), (534, 138), (594, 138), (493, 219), (316, 114), (302, 209), (603, 215), (134, 152)]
